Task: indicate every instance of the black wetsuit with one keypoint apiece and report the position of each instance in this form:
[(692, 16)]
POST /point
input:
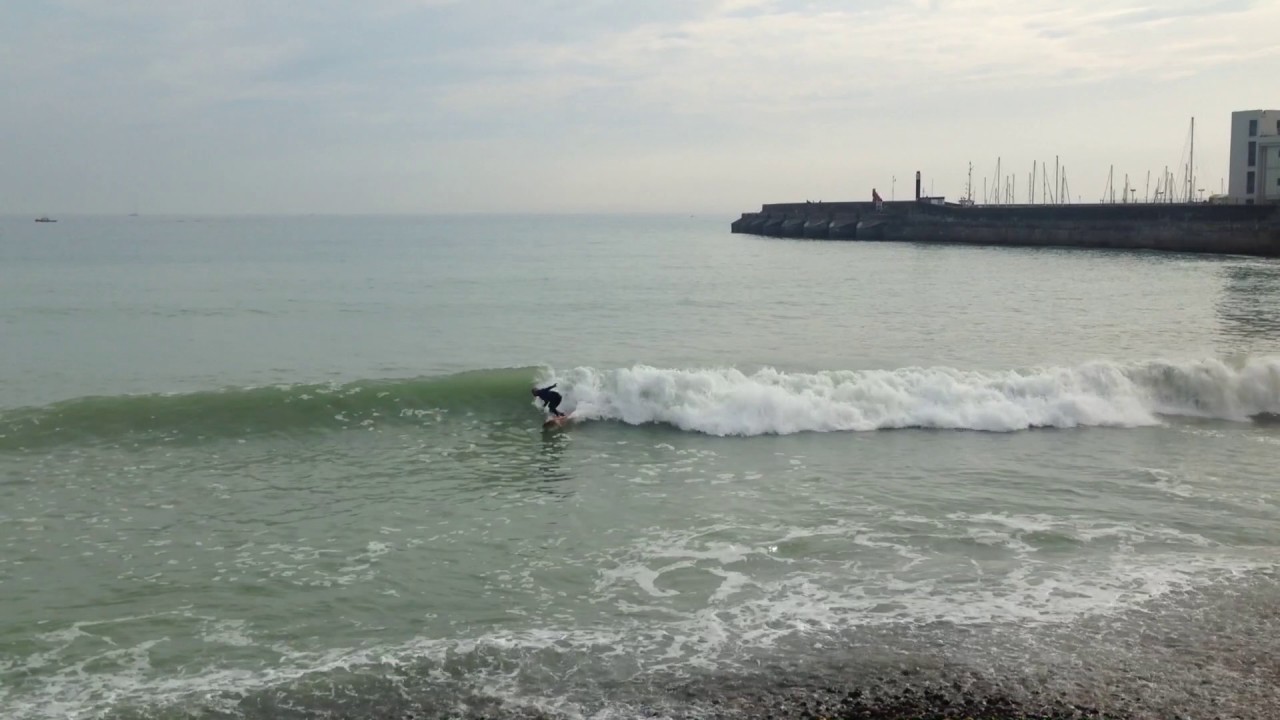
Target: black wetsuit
[(550, 399)]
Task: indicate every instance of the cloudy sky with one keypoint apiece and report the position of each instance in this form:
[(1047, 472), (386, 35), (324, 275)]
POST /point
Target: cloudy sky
[(698, 106)]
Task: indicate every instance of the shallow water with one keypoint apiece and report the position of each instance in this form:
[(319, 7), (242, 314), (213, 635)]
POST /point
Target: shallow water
[(277, 467)]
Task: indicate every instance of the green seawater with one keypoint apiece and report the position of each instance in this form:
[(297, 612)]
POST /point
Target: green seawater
[(290, 467)]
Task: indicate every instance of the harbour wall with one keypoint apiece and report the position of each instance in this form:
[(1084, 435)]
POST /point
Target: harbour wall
[(1193, 227)]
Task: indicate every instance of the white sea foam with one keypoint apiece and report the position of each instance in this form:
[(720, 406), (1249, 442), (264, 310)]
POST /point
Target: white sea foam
[(790, 594), (726, 401), (744, 614)]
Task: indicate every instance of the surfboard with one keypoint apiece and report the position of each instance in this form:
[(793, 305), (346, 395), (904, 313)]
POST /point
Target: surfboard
[(555, 422)]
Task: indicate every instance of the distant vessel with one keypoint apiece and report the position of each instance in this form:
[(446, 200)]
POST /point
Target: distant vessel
[(45, 219)]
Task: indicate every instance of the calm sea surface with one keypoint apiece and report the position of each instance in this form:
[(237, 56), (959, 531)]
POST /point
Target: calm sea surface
[(290, 467)]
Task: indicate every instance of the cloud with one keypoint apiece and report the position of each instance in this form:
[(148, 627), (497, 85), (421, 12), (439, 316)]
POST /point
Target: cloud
[(776, 56), (185, 95)]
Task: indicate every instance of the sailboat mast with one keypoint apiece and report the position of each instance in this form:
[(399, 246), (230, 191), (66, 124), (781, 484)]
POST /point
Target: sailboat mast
[(1191, 169)]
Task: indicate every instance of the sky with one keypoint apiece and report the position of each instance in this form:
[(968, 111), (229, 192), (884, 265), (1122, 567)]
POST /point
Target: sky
[(608, 106)]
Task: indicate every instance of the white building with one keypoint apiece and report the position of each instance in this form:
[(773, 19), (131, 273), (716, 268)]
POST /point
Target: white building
[(1255, 157)]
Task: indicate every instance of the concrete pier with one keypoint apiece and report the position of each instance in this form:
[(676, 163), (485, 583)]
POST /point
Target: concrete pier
[(1194, 227)]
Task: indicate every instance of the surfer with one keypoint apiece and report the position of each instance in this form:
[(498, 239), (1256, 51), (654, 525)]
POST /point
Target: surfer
[(550, 399)]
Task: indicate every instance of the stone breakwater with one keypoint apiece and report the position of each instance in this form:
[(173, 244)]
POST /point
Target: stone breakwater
[(1193, 228)]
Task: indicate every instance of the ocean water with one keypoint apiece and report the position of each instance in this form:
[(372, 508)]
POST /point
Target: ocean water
[(290, 468)]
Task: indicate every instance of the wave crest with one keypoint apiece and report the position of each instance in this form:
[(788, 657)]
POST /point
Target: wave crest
[(715, 401), (241, 412), (726, 401)]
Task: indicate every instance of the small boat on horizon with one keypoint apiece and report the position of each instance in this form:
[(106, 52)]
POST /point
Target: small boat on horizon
[(45, 218)]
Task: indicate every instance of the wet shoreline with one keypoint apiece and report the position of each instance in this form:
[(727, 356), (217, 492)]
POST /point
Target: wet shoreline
[(908, 693)]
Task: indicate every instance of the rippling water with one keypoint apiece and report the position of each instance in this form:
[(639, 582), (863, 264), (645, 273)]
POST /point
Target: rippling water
[(262, 468)]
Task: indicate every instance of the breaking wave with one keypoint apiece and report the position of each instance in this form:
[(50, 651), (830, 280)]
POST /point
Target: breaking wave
[(715, 401), (730, 402)]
